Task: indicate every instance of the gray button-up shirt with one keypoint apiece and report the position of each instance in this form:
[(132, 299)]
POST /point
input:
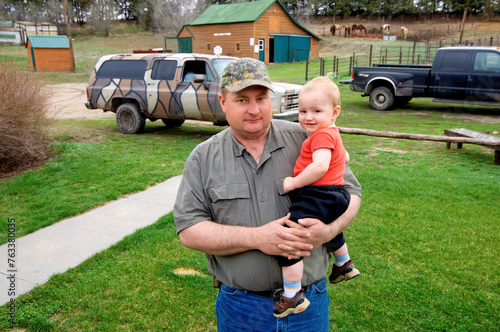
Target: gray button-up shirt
[(223, 183)]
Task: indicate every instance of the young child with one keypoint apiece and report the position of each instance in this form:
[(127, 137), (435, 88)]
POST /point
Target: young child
[(316, 189)]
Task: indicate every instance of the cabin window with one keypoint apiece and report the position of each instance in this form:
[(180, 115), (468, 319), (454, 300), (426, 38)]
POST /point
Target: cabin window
[(237, 47), (274, 24), (208, 47)]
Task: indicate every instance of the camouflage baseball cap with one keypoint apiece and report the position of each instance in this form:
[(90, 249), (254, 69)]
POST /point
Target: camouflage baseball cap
[(242, 73)]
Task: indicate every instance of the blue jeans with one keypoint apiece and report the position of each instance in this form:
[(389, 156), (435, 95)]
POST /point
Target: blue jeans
[(240, 310)]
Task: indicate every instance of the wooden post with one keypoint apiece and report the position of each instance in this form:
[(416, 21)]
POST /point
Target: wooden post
[(370, 58), (68, 32), (462, 26), (426, 50), (307, 67), (414, 47)]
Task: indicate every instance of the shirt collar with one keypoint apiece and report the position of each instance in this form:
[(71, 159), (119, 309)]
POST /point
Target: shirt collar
[(274, 141)]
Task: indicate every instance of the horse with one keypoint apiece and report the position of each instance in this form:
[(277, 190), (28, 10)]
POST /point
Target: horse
[(347, 32), (359, 27), (336, 27), (386, 28), (404, 32)]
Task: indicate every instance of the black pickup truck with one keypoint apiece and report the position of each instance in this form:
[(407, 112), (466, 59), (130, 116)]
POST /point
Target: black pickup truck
[(458, 74)]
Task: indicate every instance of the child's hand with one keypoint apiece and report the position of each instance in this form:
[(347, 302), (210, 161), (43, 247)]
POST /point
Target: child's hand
[(347, 157), (287, 184)]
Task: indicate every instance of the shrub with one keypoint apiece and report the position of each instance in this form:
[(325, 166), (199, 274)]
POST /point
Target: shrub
[(23, 120)]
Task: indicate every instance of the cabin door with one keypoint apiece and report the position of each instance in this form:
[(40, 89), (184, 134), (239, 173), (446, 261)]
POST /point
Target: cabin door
[(185, 44), (262, 50)]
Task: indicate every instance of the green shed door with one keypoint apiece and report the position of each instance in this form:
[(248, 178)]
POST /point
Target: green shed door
[(185, 45), (299, 48), (289, 48), (281, 48)]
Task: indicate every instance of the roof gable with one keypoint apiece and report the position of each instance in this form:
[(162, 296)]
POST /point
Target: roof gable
[(233, 13), (238, 13), (38, 41)]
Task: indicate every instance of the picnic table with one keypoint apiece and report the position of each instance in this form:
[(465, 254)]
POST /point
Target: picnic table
[(483, 139)]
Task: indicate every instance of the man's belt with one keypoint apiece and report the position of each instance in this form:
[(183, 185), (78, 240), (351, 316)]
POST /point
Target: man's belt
[(268, 293)]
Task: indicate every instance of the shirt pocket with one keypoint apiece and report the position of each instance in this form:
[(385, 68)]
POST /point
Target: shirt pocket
[(284, 198), (230, 203)]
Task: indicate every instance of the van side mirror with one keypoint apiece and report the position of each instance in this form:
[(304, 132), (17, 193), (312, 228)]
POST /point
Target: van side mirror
[(199, 78)]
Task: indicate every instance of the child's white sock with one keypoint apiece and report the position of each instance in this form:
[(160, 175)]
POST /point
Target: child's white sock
[(340, 261), (291, 288)]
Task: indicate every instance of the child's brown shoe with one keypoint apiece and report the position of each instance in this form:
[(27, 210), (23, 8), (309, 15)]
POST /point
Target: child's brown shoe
[(346, 272), (287, 306)]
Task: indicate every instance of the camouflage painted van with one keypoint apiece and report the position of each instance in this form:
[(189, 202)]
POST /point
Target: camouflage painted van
[(171, 87)]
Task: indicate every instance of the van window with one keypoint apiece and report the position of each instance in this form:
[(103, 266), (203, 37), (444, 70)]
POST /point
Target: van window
[(193, 67), (132, 69), (164, 70)]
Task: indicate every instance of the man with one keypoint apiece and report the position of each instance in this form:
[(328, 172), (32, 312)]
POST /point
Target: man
[(231, 205)]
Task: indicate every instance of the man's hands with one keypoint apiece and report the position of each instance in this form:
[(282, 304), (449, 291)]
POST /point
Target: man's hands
[(296, 240), (275, 239), (315, 231)]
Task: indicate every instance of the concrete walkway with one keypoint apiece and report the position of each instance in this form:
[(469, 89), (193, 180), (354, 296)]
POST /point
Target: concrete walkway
[(66, 244)]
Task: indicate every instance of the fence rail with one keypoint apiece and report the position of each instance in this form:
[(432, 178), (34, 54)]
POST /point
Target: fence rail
[(416, 54)]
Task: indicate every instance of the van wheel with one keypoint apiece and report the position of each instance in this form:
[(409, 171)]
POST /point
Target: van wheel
[(129, 119), (172, 123), (381, 98)]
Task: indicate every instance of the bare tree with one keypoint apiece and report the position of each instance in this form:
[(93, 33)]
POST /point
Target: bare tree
[(54, 12), (103, 12), (171, 15)]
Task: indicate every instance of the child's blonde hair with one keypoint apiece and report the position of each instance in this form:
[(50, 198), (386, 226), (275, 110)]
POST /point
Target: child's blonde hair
[(325, 85)]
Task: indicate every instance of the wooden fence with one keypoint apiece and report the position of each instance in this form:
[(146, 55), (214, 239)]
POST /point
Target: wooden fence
[(415, 54)]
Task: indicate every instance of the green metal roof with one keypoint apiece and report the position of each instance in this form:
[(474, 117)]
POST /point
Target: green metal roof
[(233, 13), (38, 41), (7, 24), (237, 13)]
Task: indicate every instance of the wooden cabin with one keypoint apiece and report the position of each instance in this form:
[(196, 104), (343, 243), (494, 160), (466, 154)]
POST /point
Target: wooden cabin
[(35, 28), (49, 53), (262, 30)]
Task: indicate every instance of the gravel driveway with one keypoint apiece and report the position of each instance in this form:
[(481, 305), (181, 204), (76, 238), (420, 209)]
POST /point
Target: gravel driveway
[(67, 101)]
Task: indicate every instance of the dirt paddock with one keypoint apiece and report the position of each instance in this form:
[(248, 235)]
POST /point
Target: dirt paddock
[(67, 101)]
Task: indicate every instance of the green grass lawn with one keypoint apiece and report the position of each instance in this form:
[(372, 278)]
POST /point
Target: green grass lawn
[(425, 239)]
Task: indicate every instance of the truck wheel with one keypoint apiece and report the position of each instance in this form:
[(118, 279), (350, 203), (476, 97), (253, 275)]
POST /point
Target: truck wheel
[(129, 119), (381, 98), (172, 123)]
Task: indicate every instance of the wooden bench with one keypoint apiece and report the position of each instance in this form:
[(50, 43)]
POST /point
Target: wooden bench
[(483, 139), (458, 136)]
